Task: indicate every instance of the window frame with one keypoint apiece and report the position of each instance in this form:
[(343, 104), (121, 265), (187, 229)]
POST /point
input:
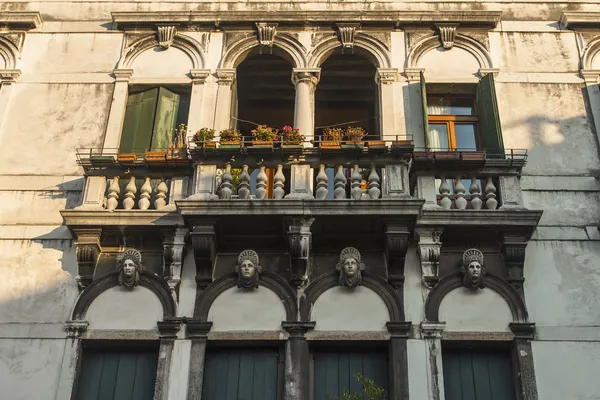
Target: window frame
[(453, 119)]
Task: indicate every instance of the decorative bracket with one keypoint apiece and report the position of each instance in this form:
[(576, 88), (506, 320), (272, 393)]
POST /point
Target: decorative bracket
[(447, 34), (197, 329), (204, 245), (386, 76), (173, 254), (346, 33), (225, 76), (523, 330), (87, 252), (513, 250), (399, 330), (166, 35), (199, 75), (299, 245), (432, 330), (266, 33), (9, 76), (169, 327), (429, 253), (396, 245), (76, 328)]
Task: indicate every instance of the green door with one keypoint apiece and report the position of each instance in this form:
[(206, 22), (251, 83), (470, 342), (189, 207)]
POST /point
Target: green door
[(117, 374), (478, 374), (334, 372), (241, 375), (138, 122)]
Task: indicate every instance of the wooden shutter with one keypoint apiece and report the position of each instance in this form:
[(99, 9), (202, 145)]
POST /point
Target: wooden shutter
[(489, 119), (425, 114), (112, 374), (165, 120), (241, 375), (334, 372), (138, 123), (478, 375)]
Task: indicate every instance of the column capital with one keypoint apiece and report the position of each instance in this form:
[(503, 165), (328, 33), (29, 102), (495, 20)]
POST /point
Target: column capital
[(386, 76), (590, 75), (199, 75), (399, 329), (306, 75), (432, 330), (197, 329), (122, 74), (298, 328), (169, 327), (413, 74), (9, 76), (486, 71), (523, 330), (76, 328), (225, 76)]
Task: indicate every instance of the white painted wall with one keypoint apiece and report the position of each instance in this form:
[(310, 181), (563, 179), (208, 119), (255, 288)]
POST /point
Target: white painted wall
[(123, 308), (343, 309), (482, 310), (155, 63), (453, 63), (239, 309), (418, 377)]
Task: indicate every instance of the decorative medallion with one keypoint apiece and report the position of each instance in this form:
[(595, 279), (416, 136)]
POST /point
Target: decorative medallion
[(248, 269), (473, 269), (350, 267), (129, 267)]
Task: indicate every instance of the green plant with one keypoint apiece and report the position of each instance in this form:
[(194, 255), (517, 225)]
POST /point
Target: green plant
[(264, 133), (204, 135), (230, 135), (177, 138), (370, 391), (291, 135), (333, 134), (355, 133)]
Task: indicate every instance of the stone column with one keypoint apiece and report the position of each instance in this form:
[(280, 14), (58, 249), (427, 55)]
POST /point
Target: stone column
[(301, 185), (385, 78), (511, 196), (116, 117), (68, 369), (168, 329), (432, 333), (305, 80), (195, 114), (396, 181), (426, 189), (592, 85), (297, 361), (8, 78), (398, 359), (196, 332), (205, 183), (524, 333), (225, 80)]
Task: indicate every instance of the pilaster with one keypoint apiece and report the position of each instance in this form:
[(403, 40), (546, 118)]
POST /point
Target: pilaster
[(114, 127), (167, 329), (432, 333), (398, 356), (205, 182), (297, 364), (8, 78), (301, 184), (523, 354), (225, 81), (385, 78), (396, 181), (196, 110), (197, 331)]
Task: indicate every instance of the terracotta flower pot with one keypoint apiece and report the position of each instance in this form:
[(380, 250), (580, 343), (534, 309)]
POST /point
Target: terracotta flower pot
[(155, 156), (330, 145), (126, 157)]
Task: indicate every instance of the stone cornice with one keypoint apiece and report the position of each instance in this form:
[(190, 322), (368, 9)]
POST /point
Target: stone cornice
[(102, 217), (580, 19), (135, 20), (20, 20)]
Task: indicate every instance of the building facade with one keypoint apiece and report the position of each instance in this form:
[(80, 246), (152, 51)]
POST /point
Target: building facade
[(451, 253)]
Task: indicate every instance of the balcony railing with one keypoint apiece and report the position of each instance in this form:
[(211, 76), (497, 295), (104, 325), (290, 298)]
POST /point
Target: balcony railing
[(156, 158), (136, 193)]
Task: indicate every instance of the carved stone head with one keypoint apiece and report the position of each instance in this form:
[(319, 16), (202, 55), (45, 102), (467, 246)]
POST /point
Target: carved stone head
[(350, 267), (473, 269), (129, 267), (248, 269)]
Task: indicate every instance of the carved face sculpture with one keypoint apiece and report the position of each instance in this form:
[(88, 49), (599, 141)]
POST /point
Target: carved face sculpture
[(350, 268), (473, 269), (129, 268), (248, 269)]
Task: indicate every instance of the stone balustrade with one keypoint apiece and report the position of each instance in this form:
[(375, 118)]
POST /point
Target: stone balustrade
[(150, 194), (473, 193)]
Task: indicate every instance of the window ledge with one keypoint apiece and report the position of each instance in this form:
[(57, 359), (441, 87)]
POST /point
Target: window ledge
[(580, 19), (20, 20)]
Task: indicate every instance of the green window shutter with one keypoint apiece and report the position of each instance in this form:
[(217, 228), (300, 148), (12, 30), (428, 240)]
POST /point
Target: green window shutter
[(425, 115), (489, 119), (138, 123), (241, 375), (334, 372), (478, 375), (165, 119), (113, 374)]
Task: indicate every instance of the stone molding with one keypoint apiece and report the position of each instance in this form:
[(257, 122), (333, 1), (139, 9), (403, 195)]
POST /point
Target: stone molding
[(386, 76), (397, 234), (590, 76), (429, 248), (20, 20), (169, 327), (399, 330), (369, 45), (580, 20), (9, 76), (298, 329), (225, 76), (166, 35), (266, 33), (482, 19), (432, 330), (306, 75), (486, 71), (428, 43), (447, 34), (197, 329), (173, 256), (87, 251), (523, 330), (75, 328), (204, 240), (123, 74), (346, 33), (589, 55), (240, 45), (199, 75), (413, 74)]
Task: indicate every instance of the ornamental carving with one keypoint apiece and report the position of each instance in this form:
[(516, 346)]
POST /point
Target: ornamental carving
[(166, 35), (346, 34), (248, 269), (129, 267), (350, 267), (473, 269), (447, 34), (266, 33)]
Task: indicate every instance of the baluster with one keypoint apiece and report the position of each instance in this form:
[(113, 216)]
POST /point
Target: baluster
[(130, 191), (113, 194), (226, 184), (321, 183), (339, 184), (145, 192), (459, 193), (475, 191), (356, 192), (244, 185), (161, 195), (261, 184), (374, 187), (444, 189), (490, 193), (278, 183)]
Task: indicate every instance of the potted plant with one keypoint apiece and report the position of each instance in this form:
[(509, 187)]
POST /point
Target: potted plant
[(354, 136), (332, 137), (264, 136), (370, 390), (203, 138), (230, 139), (178, 149), (291, 138)]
